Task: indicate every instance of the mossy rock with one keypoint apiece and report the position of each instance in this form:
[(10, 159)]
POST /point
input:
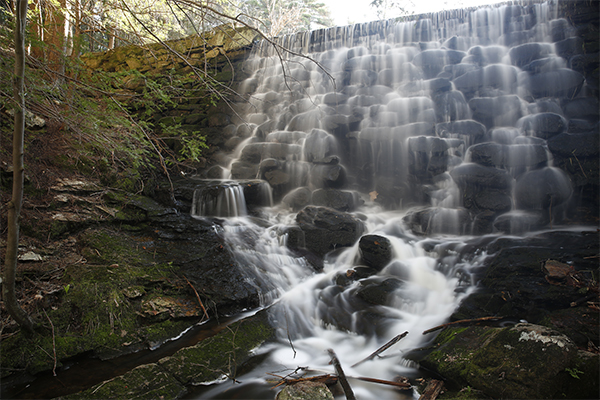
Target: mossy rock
[(525, 361), (208, 360), (220, 354), (144, 382)]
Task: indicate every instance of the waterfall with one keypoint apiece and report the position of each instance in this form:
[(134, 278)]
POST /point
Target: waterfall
[(425, 132)]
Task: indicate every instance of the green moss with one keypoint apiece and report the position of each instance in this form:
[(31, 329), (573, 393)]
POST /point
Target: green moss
[(144, 382), (98, 312), (220, 354)]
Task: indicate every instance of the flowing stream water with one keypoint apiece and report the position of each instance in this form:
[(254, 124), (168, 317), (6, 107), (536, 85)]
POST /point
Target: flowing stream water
[(390, 117)]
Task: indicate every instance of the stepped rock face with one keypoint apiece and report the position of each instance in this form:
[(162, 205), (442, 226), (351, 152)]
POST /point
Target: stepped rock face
[(448, 111)]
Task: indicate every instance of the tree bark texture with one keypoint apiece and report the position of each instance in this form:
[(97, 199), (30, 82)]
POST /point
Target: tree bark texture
[(14, 206)]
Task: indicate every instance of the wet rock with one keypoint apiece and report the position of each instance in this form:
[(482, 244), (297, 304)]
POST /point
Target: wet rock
[(293, 236), (493, 200), (525, 361), (433, 61), (488, 154), (451, 106), (437, 220), (497, 111), (587, 108), (297, 198), (569, 47), (471, 174), (376, 291), (376, 251), (285, 137), (518, 221), (340, 200), (255, 152), (492, 154), (326, 229), (560, 83), (542, 189), (513, 284), (318, 145), (497, 76), (328, 176), (526, 53), (468, 130), (243, 170), (543, 125)]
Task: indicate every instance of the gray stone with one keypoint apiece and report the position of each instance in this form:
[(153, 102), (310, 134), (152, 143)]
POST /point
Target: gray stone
[(326, 229)]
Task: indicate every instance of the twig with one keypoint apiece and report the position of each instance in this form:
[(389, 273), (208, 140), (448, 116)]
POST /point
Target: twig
[(462, 321), (383, 382), (342, 377), (53, 343), (287, 330), (197, 296), (382, 348), (583, 299), (580, 167)]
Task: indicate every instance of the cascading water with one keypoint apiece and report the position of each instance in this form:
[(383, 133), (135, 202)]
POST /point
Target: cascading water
[(431, 127)]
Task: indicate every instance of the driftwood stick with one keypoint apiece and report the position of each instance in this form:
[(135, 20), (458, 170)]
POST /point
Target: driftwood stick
[(382, 348), (197, 296), (403, 385), (341, 376), (462, 321), (327, 379), (433, 390)]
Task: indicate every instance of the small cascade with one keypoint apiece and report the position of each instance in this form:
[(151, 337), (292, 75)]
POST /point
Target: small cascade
[(226, 198), (219, 200)]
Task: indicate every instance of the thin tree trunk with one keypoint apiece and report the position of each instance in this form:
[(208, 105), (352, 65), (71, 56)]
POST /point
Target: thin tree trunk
[(14, 206)]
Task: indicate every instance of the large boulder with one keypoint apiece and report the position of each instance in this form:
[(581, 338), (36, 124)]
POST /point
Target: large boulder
[(340, 200), (543, 125), (319, 145), (376, 251), (326, 229), (497, 111), (471, 174), (522, 362), (542, 189)]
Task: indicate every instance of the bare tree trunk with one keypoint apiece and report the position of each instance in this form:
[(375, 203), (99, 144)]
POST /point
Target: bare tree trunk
[(14, 206)]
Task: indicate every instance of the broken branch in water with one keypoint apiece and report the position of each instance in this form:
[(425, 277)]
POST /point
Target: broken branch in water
[(462, 321), (341, 376), (382, 348), (330, 379)]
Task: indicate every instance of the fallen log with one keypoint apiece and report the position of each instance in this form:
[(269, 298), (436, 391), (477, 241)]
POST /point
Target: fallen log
[(341, 376), (327, 379), (462, 321), (433, 390), (382, 348)]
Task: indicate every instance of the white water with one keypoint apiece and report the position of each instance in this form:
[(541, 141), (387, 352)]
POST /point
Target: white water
[(312, 313)]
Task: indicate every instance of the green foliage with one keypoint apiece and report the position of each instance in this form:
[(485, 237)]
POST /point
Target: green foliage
[(574, 372)]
